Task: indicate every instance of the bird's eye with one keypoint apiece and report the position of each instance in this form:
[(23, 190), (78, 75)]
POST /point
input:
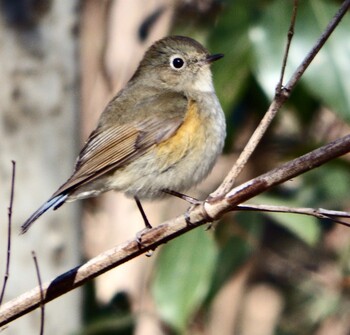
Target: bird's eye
[(177, 62)]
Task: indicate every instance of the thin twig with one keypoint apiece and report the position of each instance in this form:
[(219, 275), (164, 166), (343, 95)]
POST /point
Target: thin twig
[(289, 41), (9, 225), (289, 170), (318, 45), (209, 211), (276, 104), (42, 304), (319, 213)]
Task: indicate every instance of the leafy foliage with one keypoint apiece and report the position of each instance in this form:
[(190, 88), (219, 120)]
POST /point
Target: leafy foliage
[(292, 253), (184, 271), (252, 35)]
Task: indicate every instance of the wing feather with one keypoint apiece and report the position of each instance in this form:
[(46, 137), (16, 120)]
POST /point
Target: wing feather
[(109, 148)]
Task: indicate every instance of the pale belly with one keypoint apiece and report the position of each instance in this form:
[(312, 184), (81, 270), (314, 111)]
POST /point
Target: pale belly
[(178, 163)]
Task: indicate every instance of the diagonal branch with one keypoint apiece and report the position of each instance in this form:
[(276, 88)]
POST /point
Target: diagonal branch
[(319, 213), (210, 210), (279, 86), (9, 228), (277, 176), (278, 101)]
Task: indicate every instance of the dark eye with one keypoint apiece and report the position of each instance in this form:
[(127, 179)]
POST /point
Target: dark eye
[(177, 62)]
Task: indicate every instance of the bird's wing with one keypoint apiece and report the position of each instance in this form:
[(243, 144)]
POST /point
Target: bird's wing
[(114, 146)]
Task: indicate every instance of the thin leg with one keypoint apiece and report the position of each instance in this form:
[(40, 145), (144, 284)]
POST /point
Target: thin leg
[(138, 203), (185, 197)]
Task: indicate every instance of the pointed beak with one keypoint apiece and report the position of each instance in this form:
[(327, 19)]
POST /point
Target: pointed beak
[(212, 58)]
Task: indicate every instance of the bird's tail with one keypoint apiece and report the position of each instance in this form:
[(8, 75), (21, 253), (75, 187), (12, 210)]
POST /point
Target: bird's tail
[(54, 202)]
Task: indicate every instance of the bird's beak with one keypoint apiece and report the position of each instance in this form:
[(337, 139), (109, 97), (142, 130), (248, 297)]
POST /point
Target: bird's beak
[(212, 58)]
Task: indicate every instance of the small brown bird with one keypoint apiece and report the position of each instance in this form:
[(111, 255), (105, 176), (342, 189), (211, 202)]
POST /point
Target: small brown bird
[(161, 134)]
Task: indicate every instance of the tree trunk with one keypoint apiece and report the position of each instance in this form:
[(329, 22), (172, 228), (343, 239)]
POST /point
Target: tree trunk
[(38, 130)]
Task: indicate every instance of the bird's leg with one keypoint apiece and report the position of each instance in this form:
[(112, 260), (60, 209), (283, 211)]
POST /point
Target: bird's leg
[(194, 202), (147, 226), (182, 196), (139, 206)]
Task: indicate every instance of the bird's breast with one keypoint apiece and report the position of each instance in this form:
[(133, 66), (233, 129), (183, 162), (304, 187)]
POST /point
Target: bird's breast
[(189, 136), (198, 140)]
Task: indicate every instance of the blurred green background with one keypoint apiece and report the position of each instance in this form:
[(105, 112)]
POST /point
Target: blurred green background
[(252, 273), (290, 253), (300, 263)]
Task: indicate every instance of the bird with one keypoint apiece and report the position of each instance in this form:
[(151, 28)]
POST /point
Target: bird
[(160, 135)]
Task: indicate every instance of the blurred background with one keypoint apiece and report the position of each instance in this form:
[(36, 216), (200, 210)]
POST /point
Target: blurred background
[(254, 273)]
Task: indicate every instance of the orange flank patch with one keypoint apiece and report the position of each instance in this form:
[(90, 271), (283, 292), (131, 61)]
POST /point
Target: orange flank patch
[(188, 137)]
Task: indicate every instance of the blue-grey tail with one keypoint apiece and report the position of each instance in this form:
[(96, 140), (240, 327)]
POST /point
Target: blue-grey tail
[(54, 203)]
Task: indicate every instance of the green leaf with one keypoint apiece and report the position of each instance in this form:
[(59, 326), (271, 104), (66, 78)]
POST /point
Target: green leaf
[(306, 228), (236, 250), (183, 275), (329, 185), (327, 78), (230, 37), (268, 38)]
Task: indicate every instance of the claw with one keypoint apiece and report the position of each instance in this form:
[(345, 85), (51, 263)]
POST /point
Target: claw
[(187, 214), (187, 218), (206, 216), (139, 237), (210, 226)]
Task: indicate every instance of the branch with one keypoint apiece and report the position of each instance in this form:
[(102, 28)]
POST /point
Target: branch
[(278, 101), (279, 86), (277, 176), (42, 305), (9, 225), (319, 213), (210, 210)]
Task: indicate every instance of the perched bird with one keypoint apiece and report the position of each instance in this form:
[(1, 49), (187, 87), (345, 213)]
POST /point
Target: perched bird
[(161, 134)]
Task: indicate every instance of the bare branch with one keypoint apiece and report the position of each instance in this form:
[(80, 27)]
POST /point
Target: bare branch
[(317, 47), (276, 176), (276, 104), (9, 221), (42, 305), (319, 213), (289, 41), (208, 211)]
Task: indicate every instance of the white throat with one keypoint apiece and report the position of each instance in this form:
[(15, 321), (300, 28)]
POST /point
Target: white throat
[(203, 82)]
